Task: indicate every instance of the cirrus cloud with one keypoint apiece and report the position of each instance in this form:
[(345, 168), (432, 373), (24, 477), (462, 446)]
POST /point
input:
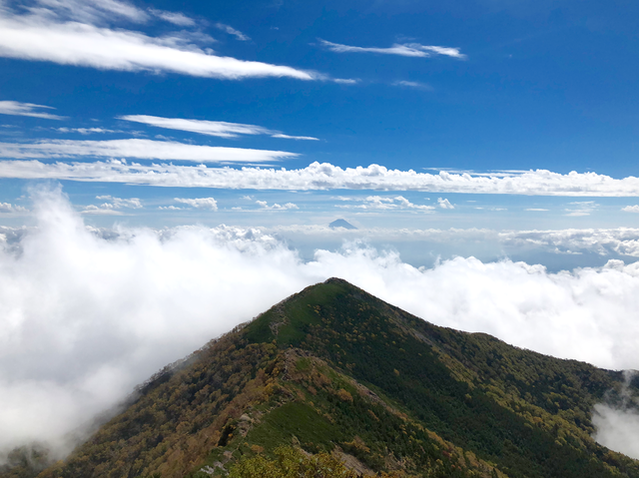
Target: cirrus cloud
[(138, 149), (67, 34), (221, 129), (406, 49), (26, 109)]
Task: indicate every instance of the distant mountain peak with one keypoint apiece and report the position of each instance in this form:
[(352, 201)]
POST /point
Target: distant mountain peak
[(341, 223)]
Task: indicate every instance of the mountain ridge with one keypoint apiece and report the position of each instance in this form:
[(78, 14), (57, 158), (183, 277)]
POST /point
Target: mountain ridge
[(334, 371)]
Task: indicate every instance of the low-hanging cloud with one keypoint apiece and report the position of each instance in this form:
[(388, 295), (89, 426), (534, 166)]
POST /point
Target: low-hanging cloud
[(85, 315), (316, 176), (617, 421)]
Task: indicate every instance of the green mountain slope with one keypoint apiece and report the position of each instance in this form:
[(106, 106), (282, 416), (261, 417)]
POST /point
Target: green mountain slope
[(335, 373)]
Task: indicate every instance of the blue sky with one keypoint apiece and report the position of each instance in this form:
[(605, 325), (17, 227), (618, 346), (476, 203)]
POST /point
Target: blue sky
[(162, 114), (169, 170)]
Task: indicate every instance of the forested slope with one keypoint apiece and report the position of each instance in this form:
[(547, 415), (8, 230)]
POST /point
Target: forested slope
[(333, 373)]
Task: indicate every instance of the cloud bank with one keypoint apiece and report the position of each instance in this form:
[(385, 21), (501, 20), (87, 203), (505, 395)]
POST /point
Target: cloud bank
[(73, 33), (85, 315), (316, 176)]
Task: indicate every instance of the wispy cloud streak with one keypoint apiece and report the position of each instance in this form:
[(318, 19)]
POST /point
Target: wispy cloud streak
[(404, 49), (47, 34), (221, 129), (232, 31), (26, 109), (137, 149)]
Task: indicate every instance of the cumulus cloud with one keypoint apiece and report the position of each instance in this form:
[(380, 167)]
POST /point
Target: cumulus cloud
[(406, 49), (275, 206), (112, 205), (72, 33), (316, 176), (6, 208), (383, 203), (201, 203), (634, 208), (221, 129), (232, 31), (138, 149), (27, 109), (85, 315), (444, 203)]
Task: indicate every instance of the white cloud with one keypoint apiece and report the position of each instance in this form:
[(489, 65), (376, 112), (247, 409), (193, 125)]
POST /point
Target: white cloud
[(346, 81), (6, 208), (616, 423), (275, 206), (117, 203), (46, 34), (138, 149), (26, 109), (634, 208), (623, 241), (84, 316), (444, 203), (202, 203), (383, 203), (536, 209), (103, 11), (232, 31), (413, 84), (112, 205), (86, 131), (316, 176), (406, 49), (221, 129), (286, 136), (581, 208), (175, 18)]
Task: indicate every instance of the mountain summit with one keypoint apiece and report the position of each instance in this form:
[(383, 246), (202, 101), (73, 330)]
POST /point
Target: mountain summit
[(341, 223), (334, 377)]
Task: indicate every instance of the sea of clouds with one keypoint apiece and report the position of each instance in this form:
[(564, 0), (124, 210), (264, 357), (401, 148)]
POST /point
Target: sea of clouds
[(86, 315)]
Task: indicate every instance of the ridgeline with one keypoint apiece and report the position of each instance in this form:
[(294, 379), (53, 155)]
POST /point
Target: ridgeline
[(335, 382)]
